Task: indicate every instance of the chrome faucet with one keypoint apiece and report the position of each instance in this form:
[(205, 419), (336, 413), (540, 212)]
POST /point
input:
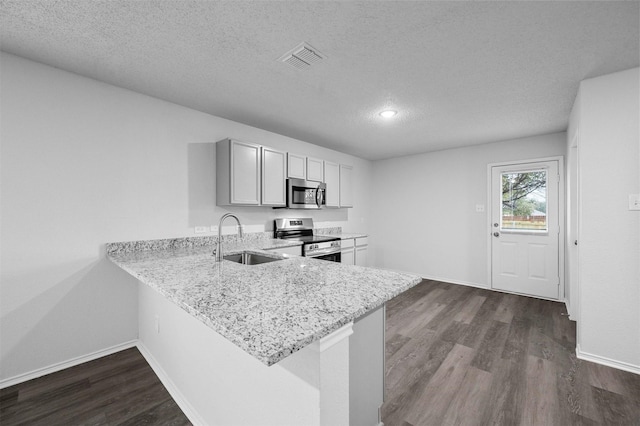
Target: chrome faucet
[(218, 252)]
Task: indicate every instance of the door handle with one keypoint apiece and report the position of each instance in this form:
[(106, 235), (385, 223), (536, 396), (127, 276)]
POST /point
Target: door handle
[(320, 194), (496, 234)]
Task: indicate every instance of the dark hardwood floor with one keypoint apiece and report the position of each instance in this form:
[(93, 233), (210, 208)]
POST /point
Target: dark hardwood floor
[(458, 355), (119, 389), (455, 356)]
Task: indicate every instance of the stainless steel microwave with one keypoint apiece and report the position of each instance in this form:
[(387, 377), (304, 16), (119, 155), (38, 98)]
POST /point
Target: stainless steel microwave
[(303, 194)]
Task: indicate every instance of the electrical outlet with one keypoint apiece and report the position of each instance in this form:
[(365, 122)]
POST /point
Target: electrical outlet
[(479, 208), (157, 322), (214, 229), (200, 229), (634, 201)]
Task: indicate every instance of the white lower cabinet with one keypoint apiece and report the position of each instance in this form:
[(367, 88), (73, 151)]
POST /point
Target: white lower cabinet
[(348, 253), (361, 248), (354, 251)]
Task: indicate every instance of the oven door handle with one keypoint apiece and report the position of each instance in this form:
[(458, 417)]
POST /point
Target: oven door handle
[(323, 252)]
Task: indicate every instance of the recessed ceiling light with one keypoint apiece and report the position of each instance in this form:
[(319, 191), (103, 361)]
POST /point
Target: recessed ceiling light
[(388, 113)]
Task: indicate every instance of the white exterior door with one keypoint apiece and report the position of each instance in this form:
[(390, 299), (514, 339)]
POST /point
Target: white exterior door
[(525, 228)]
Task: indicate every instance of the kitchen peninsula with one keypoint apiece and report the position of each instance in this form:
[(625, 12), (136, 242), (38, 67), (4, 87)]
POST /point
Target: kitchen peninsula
[(293, 341)]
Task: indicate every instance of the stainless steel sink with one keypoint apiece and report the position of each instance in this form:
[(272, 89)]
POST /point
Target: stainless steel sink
[(247, 258)]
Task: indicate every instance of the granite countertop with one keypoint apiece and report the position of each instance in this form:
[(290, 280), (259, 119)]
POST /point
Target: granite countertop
[(270, 310), (337, 232), (343, 235)]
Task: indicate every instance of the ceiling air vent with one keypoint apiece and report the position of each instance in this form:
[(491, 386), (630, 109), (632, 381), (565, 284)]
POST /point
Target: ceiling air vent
[(302, 56)]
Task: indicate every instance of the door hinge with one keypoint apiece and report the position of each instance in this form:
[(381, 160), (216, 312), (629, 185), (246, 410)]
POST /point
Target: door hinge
[(558, 281)]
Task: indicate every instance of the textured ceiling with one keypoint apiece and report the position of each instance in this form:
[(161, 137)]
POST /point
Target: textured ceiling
[(459, 73)]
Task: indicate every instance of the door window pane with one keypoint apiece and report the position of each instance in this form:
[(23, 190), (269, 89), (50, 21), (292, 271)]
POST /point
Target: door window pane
[(524, 201)]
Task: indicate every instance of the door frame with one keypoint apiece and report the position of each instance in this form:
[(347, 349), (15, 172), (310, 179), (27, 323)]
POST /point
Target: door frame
[(573, 223), (562, 221)]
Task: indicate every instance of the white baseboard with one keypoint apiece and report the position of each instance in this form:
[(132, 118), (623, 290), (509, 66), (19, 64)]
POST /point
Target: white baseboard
[(570, 313), (173, 390), (607, 361), (450, 281), (65, 364), (184, 405)]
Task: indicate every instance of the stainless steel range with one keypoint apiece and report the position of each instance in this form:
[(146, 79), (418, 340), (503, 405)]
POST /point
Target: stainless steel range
[(301, 229)]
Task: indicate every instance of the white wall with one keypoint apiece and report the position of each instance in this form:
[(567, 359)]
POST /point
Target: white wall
[(609, 235), (84, 163), (426, 221)]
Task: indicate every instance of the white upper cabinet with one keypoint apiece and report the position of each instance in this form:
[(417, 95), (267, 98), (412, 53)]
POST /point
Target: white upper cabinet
[(248, 174), (273, 177), (346, 186), (296, 166), (238, 173), (332, 179), (315, 169)]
